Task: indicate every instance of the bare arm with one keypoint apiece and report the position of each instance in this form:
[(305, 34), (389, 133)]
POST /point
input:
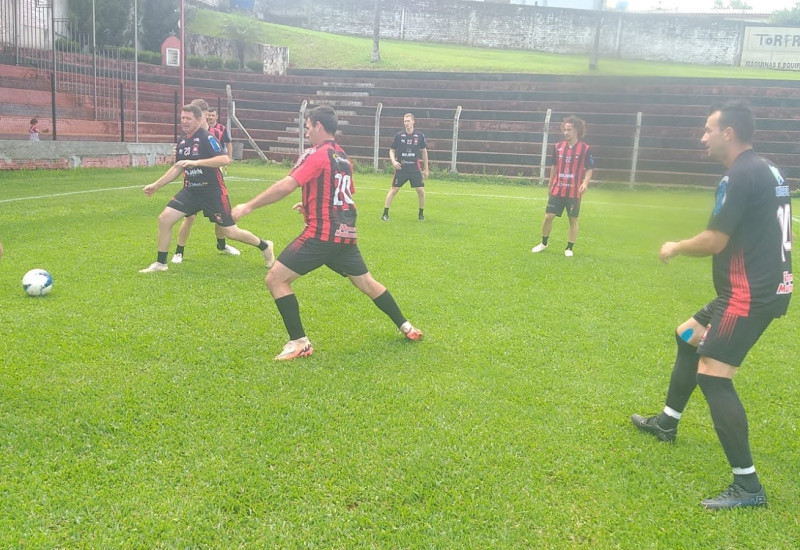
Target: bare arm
[(425, 170), (586, 179), (273, 193), (174, 171), (705, 243), (393, 158)]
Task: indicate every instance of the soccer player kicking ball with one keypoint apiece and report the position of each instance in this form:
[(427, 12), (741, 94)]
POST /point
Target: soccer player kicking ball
[(198, 158), (750, 238), (326, 177)]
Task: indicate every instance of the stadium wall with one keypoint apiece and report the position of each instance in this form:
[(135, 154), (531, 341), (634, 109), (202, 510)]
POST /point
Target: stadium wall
[(706, 40), (48, 155)]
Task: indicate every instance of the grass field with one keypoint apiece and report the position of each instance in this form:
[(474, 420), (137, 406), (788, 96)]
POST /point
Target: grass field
[(353, 52), (144, 411)]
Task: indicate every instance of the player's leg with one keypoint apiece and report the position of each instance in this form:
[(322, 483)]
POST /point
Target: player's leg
[(722, 350), (244, 236), (297, 259), (222, 246), (351, 263), (572, 235), (683, 379), (396, 185), (547, 227), (166, 221), (418, 184), (183, 238)]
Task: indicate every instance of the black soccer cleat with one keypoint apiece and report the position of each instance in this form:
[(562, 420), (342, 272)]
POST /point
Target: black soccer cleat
[(735, 497), (650, 425)]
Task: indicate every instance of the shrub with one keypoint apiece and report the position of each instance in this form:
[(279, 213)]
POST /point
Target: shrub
[(195, 61), (256, 66), (232, 64), (153, 58), (213, 62), (67, 45), (126, 53)]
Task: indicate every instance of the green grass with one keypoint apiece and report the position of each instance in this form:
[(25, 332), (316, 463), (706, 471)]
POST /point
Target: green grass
[(144, 411), (355, 53)]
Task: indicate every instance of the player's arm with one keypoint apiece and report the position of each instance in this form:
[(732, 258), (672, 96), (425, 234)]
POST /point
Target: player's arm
[(174, 171), (425, 169), (706, 243), (217, 161), (393, 158), (586, 179), (273, 193)]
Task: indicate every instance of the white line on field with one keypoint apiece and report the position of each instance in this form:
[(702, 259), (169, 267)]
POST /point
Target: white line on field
[(235, 178)]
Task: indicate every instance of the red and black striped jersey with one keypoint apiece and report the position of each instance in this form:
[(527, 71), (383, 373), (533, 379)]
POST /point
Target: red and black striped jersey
[(570, 165), (326, 177), (753, 274)]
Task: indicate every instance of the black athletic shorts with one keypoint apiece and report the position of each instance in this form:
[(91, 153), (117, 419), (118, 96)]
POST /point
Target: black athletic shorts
[(556, 205), (305, 254), (728, 337), (402, 176), (215, 204)]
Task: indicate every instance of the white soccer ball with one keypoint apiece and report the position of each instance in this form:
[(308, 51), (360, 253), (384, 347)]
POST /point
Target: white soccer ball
[(37, 282)]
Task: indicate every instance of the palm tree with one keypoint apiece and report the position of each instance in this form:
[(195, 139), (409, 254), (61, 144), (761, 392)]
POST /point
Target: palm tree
[(242, 33)]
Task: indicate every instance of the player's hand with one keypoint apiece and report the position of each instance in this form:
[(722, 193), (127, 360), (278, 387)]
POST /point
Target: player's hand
[(239, 211), (150, 189), (668, 250), (582, 189), (425, 174), (397, 165), (186, 163), (298, 206)]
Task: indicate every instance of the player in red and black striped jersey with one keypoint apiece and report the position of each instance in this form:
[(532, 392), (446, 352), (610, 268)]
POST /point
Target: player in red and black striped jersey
[(571, 170), (325, 175), (199, 157), (750, 238), (220, 131)]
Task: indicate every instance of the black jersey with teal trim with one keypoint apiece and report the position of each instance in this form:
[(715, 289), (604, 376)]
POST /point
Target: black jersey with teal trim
[(201, 145)]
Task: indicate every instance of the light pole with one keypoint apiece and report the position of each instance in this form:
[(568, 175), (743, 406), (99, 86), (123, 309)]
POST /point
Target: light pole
[(183, 52)]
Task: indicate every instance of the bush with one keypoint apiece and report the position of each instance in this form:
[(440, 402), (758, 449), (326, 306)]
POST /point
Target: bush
[(232, 64), (154, 58), (67, 45), (213, 62), (126, 53), (195, 61), (256, 66)]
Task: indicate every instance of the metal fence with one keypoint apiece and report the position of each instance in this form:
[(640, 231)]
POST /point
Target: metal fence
[(33, 33)]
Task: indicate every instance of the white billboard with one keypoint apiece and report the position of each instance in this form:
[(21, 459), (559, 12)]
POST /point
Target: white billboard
[(772, 48)]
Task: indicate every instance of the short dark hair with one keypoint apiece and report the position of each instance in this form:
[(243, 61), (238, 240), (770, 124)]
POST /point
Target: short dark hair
[(739, 116), (326, 115), (577, 123), (194, 109), (212, 109)]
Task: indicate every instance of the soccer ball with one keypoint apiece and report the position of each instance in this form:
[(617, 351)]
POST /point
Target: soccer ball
[(37, 282)]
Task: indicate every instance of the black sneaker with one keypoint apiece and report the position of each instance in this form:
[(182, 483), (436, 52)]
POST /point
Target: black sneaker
[(650, 425), (385, 217), (735, 497), (422, 217)]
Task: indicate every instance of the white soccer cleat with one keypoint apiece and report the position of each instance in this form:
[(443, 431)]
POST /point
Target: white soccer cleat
[(231, 250), (410, 332), (177, 258), (568, 253), (294, 349), (154, 267), (538, 248), (269, 254)]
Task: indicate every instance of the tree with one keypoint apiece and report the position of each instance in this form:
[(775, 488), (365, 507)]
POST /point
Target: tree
[(786, 17), (376, 33), (114, 18), (157, 21), (241, 33)]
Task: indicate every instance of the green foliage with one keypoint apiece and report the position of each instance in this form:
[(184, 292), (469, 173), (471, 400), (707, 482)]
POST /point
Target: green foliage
[(241, 32), (354, 53), (786, 17), (158, 20), (145, 411), (232, 65), (256, 66), (731, 5), (154, 58), (213, 62), (67, 45), (113, 18)]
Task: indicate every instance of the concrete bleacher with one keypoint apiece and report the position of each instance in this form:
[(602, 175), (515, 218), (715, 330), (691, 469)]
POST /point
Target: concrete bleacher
[(501, 126)]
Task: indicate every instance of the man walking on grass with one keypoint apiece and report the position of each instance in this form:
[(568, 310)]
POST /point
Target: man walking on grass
[(750, 238)]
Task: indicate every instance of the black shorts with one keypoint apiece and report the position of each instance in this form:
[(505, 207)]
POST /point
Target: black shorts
[(402, 176), (556, 205), (305, 254), (212, 200), (728, 337)]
